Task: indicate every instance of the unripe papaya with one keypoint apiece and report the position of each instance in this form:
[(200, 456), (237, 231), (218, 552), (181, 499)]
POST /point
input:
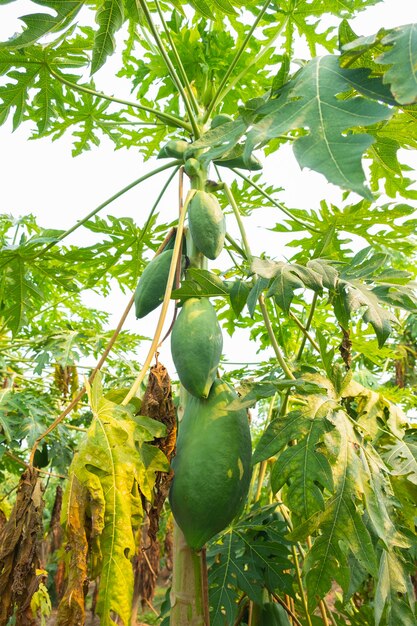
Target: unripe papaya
[(196, 346), (207, 224), (212, 466), (192, 167), (253, 164), (175, 149), (152, 284), (274, 614)]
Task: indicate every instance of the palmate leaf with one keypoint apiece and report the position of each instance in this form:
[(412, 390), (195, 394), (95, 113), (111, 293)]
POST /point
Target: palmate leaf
[(112, 468), (401, 457), (402, 59), (394, 593), (304, 468), (310, 102), (287, 278), (251, 556), (109, 18), (40, 24), (341, 525)]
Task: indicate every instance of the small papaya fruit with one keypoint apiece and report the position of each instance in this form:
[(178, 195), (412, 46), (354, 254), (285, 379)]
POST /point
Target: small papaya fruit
[(152, 284), (207, 224), (192, 167), (253, 164), (196, 346), (212, 466), (174, 149)]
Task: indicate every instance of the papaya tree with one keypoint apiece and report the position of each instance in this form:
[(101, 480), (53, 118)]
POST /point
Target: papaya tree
[(290, 482)]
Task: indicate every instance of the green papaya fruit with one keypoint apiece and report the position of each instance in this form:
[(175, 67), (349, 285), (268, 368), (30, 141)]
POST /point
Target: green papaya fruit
[(207, 224), (220, 119), (212, 466), (192, 167), (274, 614), (174, 149), (253, 164), (196, 346), (152, 284)]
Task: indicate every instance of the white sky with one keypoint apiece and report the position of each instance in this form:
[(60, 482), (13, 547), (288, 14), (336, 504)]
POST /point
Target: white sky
[(42, 178)]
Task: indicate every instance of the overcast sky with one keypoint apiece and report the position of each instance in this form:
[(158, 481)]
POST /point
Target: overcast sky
[(42, 178)]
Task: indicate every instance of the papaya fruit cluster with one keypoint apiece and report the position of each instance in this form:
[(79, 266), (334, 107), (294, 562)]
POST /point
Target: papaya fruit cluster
[(212, 466)]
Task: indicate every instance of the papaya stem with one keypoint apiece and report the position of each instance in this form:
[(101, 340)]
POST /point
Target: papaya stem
[(181, 69), (307, 326), (288, 373), (188, 605), (287, 608), (165, 303), (277, 204), (171, 69), (112, 199), (235, 61), (169, 119)]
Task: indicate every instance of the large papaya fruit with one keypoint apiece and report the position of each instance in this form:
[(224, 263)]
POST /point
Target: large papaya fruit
[(152, 284), (212, 466), (196, 346), (207, 224)]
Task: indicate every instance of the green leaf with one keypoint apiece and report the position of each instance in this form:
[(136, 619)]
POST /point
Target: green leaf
[(402, 59), (15, 95), (310, 102), (254, 294), (401, 457), (200, 283), (340, 524), (394, 592), (238, 296), (110, 19), (41, 24), (305, 469)]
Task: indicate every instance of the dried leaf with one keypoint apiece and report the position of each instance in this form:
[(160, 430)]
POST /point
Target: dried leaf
[(157, 403), (20, 551)]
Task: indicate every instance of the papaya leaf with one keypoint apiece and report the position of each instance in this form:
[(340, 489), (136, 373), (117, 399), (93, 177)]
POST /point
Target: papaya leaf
[(394, 594), (340, 523), (239, 295), (310, 102), (251, 392), (305, 469), (402, 59), (110, 19), (252, 555), (401, 457), (41, 24), (112, 468), (277, 435), (254, 294), (200, 283)]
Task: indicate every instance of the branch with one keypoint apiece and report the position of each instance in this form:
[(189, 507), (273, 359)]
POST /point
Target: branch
[(165, 117), (279, 206), (109, 201)]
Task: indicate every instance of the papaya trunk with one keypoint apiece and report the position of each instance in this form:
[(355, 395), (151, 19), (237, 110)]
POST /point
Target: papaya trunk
[(189, 592), (189, 605)]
